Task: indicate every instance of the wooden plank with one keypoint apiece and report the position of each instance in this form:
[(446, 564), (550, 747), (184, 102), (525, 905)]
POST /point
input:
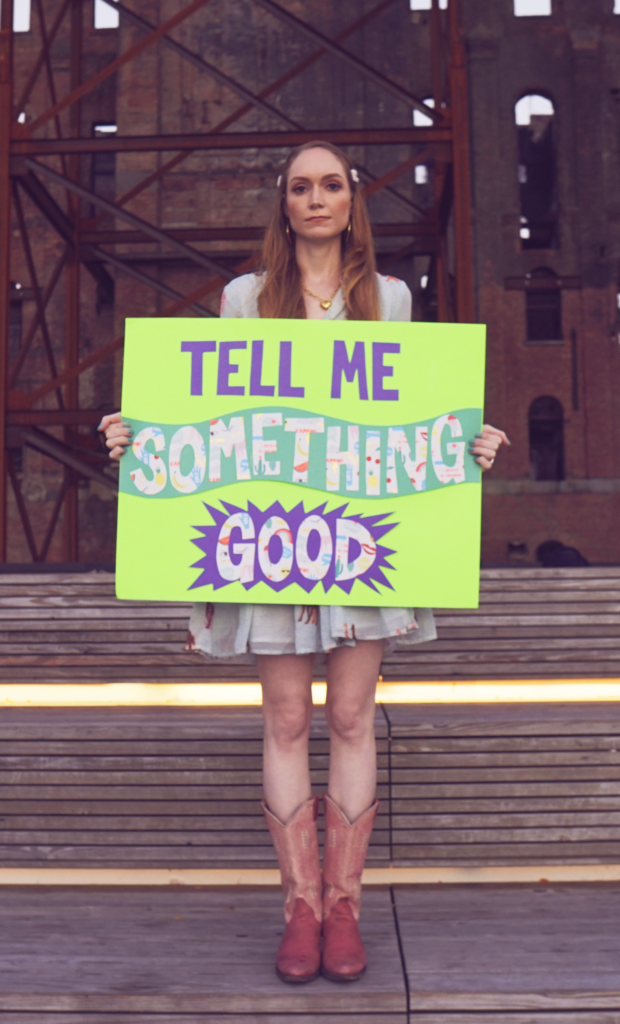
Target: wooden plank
[(606, 820), (596, 852), (560, 951), (491, 833), (462, 760), (531, 746), (41, 1017), (162, 952), (150, 723), (569, 719), (489, 790), (606, 804)]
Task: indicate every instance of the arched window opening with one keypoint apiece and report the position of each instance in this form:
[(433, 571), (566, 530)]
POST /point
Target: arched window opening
[(546, 428), (534, 116), (543, 306)]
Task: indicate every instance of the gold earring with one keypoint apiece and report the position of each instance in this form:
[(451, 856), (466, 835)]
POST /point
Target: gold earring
[(288, 233), (349, 231)]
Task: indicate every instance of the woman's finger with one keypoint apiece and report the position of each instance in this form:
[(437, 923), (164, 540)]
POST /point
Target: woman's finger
[(107, 421), (489, 430), (484, 463), (116, 453), (117, 439)]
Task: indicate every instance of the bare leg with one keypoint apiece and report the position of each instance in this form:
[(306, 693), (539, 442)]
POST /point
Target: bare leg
[(286, 680), (352, 674)]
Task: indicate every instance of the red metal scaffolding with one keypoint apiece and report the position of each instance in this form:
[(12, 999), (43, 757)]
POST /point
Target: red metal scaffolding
[(24, 173)]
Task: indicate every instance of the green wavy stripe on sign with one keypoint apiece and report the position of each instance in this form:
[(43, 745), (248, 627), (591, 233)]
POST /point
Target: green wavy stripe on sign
[(296, 446)]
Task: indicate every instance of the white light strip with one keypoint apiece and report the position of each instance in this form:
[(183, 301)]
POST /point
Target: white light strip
[(157, 694), (215, 877)]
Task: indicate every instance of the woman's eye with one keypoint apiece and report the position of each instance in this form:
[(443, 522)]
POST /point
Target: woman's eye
[(334, 186), (299, 190)]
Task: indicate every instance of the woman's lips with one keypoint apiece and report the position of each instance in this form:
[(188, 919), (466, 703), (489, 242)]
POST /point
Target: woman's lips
[(313, 220)]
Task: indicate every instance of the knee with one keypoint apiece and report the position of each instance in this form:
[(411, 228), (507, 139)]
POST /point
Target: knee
[(287, 722), (349, 722)]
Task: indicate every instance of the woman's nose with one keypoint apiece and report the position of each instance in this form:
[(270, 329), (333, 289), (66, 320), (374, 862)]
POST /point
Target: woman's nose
[(315, 199)]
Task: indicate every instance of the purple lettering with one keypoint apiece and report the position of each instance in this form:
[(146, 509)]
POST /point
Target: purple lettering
[(349, 367), (256, 372), (225, 368), (285, 388), (197, 349), (379, 371)]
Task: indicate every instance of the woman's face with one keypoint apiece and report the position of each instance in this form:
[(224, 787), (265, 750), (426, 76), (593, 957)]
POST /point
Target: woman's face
[(318, 195)]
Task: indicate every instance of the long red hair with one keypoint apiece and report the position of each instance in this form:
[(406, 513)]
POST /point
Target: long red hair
[(281, 295)]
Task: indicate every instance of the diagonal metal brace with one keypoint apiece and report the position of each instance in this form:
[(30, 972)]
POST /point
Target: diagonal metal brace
[(151, 282), (44, 442), (130, 218)]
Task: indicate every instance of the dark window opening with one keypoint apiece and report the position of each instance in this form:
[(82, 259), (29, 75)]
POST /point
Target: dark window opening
[(103, 167), (15, 326), (536, 173), (543, 306), (546, 429)]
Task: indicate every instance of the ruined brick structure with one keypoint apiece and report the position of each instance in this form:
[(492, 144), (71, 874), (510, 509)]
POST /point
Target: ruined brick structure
[(217, 201)]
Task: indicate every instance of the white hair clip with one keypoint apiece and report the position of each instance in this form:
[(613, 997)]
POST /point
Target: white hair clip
[(279, 181), (355, 176)]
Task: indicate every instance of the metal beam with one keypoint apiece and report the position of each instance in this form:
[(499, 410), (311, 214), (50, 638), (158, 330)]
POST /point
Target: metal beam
[(15, 369), (34, 281), (238, 234), (348, 58), (136, 222), (232, 140), (6, 87), (465, 300)]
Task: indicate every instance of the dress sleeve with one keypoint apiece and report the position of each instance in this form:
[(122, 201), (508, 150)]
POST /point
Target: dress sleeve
[(402, 303), (230, 305)]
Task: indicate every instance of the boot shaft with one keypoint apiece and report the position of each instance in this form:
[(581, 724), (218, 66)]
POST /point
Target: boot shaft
[(346, 846), (297, 848)]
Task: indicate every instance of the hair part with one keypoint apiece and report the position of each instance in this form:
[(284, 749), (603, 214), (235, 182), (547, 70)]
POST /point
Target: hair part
[(281, 296)]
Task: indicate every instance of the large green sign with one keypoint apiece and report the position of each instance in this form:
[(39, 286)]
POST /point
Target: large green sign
[(301, 462)]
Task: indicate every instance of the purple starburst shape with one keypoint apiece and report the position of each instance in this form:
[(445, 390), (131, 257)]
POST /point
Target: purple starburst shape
[(210, 535)]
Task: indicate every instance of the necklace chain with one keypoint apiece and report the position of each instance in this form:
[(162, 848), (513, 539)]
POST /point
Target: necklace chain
[(323, 303)]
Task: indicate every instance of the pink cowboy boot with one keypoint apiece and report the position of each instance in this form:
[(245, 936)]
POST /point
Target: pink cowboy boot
[(346, 844), (296, 843)]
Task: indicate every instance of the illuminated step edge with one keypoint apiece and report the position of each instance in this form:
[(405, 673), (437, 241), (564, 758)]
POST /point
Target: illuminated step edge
[(247, 694), (491, 874)]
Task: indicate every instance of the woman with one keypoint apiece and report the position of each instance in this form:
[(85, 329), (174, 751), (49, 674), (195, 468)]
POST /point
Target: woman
[(318, 264)]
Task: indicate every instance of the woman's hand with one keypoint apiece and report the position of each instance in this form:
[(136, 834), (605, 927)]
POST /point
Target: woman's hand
[(117, 434), (485, 446)]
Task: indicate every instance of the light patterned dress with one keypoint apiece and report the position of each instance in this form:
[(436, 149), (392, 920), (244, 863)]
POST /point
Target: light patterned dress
[(234, 630)]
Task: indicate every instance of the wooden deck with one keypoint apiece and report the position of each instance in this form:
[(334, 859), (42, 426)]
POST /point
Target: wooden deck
[(532, 623), (437, 955)]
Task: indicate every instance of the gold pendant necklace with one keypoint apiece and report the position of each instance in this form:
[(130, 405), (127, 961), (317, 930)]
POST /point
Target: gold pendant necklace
[(323, 303)]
